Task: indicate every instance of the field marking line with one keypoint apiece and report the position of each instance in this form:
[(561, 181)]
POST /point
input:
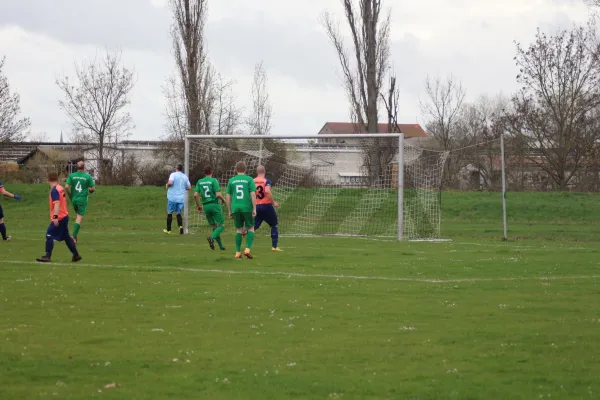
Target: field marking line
[(304, 275)]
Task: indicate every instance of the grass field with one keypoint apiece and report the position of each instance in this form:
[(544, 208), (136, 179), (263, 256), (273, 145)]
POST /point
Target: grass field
[(349, 318)]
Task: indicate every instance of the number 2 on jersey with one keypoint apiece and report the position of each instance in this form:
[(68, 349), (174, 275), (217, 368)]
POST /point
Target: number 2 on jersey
[(207, 192)]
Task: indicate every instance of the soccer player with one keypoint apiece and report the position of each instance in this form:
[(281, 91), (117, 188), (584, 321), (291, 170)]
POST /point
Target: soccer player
[(208, 188), (241, 203), (82, 184), (176, 191), (59, 227), (265, 204), (8, 194)]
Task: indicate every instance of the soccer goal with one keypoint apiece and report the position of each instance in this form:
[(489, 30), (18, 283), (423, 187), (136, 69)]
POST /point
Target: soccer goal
[(368, 185)]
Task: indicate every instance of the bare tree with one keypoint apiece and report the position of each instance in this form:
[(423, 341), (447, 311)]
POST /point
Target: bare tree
[(12, 125), (259, 121), (556, 110), (442, 109), (365, 70), (481, 124), (96, 103), (195, 72)]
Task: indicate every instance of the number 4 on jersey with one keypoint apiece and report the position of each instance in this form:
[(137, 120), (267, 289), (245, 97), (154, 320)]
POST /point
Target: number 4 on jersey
[(78, 187)]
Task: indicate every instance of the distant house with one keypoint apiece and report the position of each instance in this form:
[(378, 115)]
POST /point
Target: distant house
[(336, 128)]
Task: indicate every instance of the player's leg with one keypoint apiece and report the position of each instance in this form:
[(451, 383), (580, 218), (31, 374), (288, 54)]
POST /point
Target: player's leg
[(80, 209), (50, 236), (238, 221), (170, 210), (179, 217), (214, 215), (209, 213), (272, 221), (66, 237), (249, 222), (5, 237)]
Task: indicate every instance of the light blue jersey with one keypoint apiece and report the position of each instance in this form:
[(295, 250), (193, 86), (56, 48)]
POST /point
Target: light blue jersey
[(176, 192)]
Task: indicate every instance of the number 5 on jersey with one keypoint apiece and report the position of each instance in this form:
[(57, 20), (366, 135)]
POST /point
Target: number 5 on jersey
[(239, 192)]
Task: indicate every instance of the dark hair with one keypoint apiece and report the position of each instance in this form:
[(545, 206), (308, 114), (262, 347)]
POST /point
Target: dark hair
[(208, 170), (53, 176), (179, 167)]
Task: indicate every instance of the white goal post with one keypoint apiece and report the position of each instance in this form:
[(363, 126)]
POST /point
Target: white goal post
[(330, 184)]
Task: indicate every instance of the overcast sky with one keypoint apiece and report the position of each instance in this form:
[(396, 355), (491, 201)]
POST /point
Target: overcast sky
[(472, 39)]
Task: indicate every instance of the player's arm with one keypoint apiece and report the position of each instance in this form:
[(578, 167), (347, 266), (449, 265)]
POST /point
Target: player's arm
[(269, 195), (189, 185), (170, 181), (8, 194), (253, 198), (68, 186), (91, 185), (55, 205), (228, 202), (220, 196), (197, 200)]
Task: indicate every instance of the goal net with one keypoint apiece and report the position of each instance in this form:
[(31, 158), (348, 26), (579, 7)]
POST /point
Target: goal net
[(345, 185)]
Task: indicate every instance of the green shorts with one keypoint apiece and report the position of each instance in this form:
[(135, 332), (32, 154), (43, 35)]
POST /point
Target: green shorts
[(214, 214), (243, 218), (80, 206)]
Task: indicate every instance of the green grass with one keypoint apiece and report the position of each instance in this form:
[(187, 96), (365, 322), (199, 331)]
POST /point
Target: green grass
[(349, 318)]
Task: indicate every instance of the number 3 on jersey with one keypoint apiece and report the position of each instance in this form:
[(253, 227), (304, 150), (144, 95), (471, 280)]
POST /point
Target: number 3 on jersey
[(260, 192), (78, 187), (239, 192)]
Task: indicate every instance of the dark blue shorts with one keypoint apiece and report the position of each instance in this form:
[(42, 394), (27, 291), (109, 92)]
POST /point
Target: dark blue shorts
[(60, 232), (266, 213), (1, 213)]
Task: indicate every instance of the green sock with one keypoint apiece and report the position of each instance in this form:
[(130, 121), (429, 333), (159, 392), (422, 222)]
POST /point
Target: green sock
[(218, 239), (238, 242), (217, 232), (76, 229), (249, 239)]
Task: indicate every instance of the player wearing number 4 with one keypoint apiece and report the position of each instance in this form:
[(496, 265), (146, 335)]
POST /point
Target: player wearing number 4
[(241, 203), (82, 184), (208, 188), (265, 204)]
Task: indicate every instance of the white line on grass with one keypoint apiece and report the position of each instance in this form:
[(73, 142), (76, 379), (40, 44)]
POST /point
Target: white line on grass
[(303, 275)]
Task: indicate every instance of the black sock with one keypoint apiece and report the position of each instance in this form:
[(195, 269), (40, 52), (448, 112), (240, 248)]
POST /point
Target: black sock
[(179, 221), (49, 246), (71, 245), (3, 231), (169, 222)]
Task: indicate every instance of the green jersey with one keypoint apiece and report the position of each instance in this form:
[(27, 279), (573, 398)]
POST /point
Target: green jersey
[(208, 187), (240, 187), (80, 183)]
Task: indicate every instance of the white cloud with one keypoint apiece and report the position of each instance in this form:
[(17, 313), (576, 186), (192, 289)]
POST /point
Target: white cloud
[(473, 39)]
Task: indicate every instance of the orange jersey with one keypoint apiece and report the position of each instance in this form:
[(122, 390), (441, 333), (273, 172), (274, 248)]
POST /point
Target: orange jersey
[(263, 186), (57, 195)]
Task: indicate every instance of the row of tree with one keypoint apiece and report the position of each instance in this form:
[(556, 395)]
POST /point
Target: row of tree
[(199, 99), (552, 122)]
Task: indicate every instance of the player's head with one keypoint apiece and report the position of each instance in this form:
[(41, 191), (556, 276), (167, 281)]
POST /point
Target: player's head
[(52, 177), (261, 170), (240, 167), (179, 167), (208, 170), (80, 165)]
